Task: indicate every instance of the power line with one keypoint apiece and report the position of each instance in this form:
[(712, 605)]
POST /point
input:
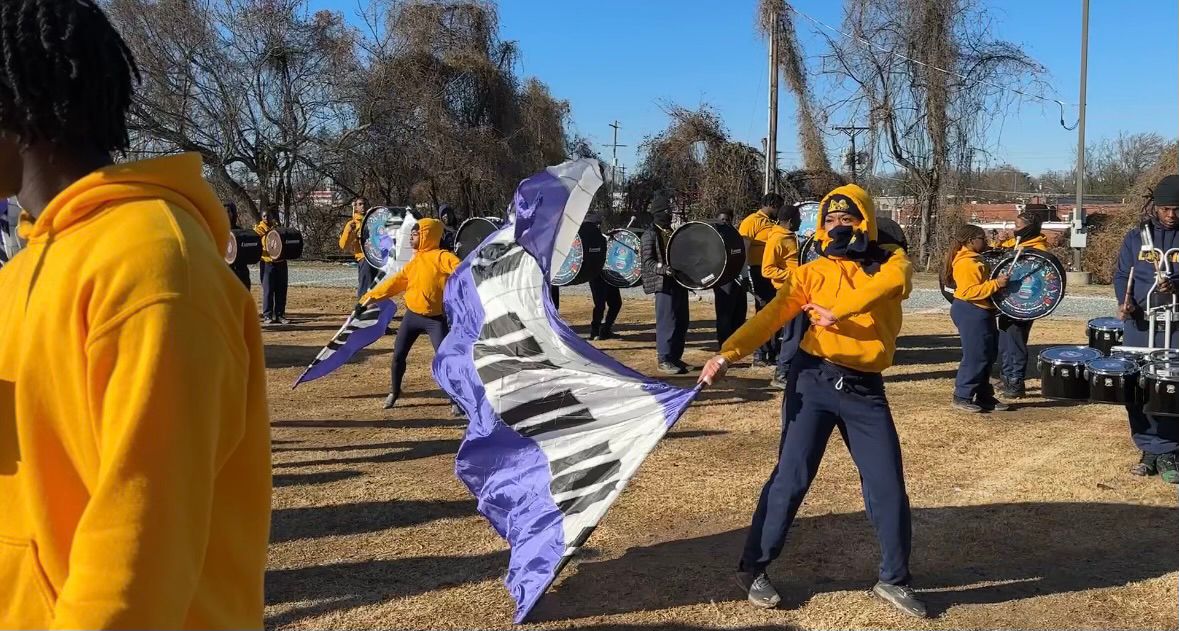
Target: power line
[(819, 23)]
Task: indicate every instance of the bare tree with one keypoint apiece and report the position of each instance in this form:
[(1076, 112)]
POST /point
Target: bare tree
[(773, 14)]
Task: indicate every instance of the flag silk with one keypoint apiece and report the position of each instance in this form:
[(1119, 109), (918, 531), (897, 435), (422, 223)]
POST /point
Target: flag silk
[(557, 427), (357, 333)]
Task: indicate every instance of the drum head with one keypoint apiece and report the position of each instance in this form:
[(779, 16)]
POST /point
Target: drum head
[(1111, 366), (1162, 371), (1106, 324), (378, 234), (272, 244), (1036, 287), (624, 265), (472, 232), (810, 218), (1069, 354), (231, 248), (705, 255), (573, 263), (809, 251)]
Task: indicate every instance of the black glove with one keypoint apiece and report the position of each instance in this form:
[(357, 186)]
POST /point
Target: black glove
[(667, 271), (358, 311)]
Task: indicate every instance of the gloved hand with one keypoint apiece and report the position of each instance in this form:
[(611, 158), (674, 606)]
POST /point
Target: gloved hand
[(359, 311)]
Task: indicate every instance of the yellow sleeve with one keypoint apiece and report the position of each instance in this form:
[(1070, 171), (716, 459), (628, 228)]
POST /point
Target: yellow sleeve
[(747, 228), (388, 288), (893, 280), (780, 258), (262, 228), (164, 433), (348, 238), (769, 321), (448, 262), (968, 278)]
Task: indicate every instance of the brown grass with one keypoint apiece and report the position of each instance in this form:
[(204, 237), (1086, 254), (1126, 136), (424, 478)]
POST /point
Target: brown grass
[(1021, 520)]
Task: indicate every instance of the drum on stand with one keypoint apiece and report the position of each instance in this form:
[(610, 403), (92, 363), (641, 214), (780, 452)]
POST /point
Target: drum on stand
[(1113, 380), (1062, 372), (472, 232), (1036, 287), (624, 262), (991, 259), (809, 250), (705, 254), (586, 257), (244, 247), (283, 244), (1160, 388), (382, 233), (1105, 334)]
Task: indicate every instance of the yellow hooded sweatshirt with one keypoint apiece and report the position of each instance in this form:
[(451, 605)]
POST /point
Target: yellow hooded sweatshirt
[(134, 433), (424, 277), (866, 304), (756, 227), (1038, 242), (970, 279), (350, 238), (262, 228), (781, 256)]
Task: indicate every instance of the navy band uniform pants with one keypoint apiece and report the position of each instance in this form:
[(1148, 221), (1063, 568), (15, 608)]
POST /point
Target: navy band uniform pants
[(763, 293), (607, 303), (731, 307), (274, 289), (791, 337), (671, 323), (365, 274), (412, 326), (980, 348), (823, 397), (1013, 349), (1150, 433)]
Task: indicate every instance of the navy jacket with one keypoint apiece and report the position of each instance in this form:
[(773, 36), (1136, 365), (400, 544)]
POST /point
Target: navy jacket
[(1133, 260), (654, 260)]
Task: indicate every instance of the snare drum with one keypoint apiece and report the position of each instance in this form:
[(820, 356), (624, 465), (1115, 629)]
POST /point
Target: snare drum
[(1062, 371), (1169, 355), (1104, 334), (1113, 380), (1160, 388)]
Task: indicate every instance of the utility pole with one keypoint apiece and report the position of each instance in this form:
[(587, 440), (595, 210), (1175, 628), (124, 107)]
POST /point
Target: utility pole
[(614, 167), (852, 132), (771, 183), (1077, 239)]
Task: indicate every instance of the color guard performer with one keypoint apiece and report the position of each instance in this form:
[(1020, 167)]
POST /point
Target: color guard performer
[(853, 295)]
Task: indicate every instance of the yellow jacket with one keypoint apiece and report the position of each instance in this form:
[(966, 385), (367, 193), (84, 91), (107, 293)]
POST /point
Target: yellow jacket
[(867, 302), (1038, 242), (970, 279), (134, 433), (350, 239), (781, 256), (756, 228), (261, 229), (424, 277)]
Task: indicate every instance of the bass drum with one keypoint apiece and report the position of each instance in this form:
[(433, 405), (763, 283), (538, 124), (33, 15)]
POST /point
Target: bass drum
[(1036, 287), (283, 244), (586, 257), (624, 262), (809, 250), (809, 215), (705, 254), (382, 233), (244, 247), (991, 258), (472, 232)]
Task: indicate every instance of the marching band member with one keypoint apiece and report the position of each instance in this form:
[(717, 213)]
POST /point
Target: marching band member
[(1013, 334), (449, 226), (422, 280), (350, 243), (755, 228), (778, 263), (1157, 439), (728, 299), (607, 297), (274, 276), (974, 316), (853, 295), (239, 267), (135, 450), (671, 299)]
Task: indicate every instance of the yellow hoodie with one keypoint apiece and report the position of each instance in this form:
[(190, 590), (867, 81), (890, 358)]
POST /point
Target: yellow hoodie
[(866, 304), (1038, 242), (756, 229), (262, 228), (424, 277), (781, 256), (134, 433), (970, 279), (350, 238)]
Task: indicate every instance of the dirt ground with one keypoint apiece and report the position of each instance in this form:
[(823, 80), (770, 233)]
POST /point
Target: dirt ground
[(1025, 519)]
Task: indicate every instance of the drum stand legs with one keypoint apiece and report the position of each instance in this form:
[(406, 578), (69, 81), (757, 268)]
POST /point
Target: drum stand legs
[(1165, 313)]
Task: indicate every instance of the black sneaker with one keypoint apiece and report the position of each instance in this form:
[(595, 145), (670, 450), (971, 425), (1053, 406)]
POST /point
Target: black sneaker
[(593, 334), (965, 405), (1168, 467), (992, 405), (779, 381), (1012, 390), (686, 367), (390, 401), (607, 334), (758, 589), (760, 363), (902, 597), (1146, 466), (669, 368)]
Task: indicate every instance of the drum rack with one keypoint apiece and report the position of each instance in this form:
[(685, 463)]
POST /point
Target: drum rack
[(1164, 314)]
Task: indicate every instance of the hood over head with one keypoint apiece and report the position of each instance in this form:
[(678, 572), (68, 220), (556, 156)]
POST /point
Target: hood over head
[(429, 234)]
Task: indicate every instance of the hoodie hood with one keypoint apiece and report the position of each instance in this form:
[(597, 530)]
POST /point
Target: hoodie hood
[(429, 234), (964, 253), (174, 179), (848, 197)]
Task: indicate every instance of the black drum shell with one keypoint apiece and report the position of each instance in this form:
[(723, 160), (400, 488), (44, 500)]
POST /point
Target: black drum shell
[(1063, 381), (689, 253), (1119, 389), (472, 232), (610, 275), (248, 250), (593, 251), (1161, 397), (290, 244), (1104, 340)]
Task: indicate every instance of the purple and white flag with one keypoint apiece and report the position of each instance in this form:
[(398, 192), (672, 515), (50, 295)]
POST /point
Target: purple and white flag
[(557, 427), (357, 333)]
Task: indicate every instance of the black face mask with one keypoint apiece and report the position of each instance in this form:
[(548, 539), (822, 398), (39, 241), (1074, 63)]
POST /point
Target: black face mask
[(1027, 232), (847, 242)]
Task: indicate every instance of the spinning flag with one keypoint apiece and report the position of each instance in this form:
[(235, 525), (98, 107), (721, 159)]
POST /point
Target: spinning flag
[(557, 428)]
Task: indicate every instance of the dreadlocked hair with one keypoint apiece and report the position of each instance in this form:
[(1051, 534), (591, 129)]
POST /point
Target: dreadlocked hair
[(964, 235), (65, 75)]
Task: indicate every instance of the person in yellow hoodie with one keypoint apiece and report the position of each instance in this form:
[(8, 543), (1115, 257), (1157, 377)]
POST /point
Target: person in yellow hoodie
[(974, 315), (778, 263), (1013, 334), (422, 281), (275, 276), (853, 295), (134, 432), (350, 243), (755, 228)]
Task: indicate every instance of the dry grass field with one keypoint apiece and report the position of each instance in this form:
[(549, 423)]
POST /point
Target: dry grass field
[(1025, 519)]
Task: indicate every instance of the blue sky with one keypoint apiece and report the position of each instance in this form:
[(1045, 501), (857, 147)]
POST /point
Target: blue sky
[(619, 59)]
